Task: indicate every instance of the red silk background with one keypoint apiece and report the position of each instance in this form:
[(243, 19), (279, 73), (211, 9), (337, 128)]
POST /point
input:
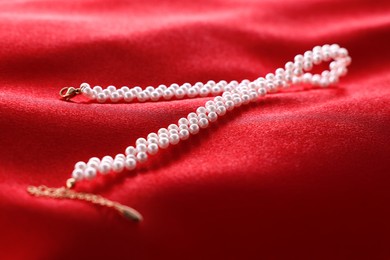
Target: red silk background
[(298, 175)]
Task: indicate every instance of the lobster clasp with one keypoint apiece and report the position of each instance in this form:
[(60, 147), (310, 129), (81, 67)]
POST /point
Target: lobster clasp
[(69, 92)]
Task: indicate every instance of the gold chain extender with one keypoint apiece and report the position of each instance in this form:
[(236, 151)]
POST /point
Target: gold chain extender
[(67, 193)]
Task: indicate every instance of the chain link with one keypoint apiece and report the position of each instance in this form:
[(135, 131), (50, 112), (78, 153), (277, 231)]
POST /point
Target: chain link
[(66, 193)]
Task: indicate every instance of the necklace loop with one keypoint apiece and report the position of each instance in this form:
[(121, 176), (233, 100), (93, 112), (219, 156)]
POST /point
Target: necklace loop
[(227, 96)]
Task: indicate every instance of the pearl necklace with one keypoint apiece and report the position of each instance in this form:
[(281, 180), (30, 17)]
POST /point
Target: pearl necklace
[(227, 96)]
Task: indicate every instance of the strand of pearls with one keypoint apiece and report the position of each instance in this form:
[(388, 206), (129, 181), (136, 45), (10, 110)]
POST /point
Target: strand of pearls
[(227, 96)]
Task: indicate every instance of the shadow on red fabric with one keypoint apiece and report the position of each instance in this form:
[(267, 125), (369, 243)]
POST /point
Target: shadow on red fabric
[(298, 175)]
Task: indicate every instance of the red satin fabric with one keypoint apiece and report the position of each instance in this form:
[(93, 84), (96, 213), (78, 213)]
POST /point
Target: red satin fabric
[(299, 175)]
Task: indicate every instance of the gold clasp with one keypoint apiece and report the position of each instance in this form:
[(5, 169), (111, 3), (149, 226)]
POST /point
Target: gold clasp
[(68, 92)]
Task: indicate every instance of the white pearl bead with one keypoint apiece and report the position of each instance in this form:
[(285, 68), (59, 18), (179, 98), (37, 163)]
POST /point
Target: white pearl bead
[(142, 97), (269, 76), (130, 150), (173, 127), (104, 167), (115, 97), (218, 99), (111, 88), (306, 78), (163, 135), (174, 139), (289, 66), (316, 59), (315, 80), (162, 87), (152, 135), (219, 103), (307, 66), (324, 82), (333, 79), (192, 115), (199, 84), (86, 89), (317, 49), (279, 71), (154, 96), (253, 95), (237, 101), (342, 52), (89, 173), (183, 121), (173, 131), (200, 110), (163, 142), (120, 93), (203, 123), (213, 116), (132, 156), (107, 158), (179, 93), (211, 82), (142, 148), (308, 54), (262, 92), (203, 92), (229, 105), (183, 127), (120, 156), (210, 103), (97, 89), (215, 90), (202, 115), (184, 134), (150, 89), (80, 165), (296, 80), (192, 92), (193, 121), (168, 94), (298, 72), (128, 97), (245, 99), (162, 131), (221, 110), (84, 85), (142, 157), (211, 108), (125, 89), (174, 86), (298, 58), (137, 89), (228, 88), (152, 148), (141, 141), (228, 97), (78, 174), (194, 129), (342, 71), (107, 93), (153, 140), (130, 164), (101, 97), (118, 165), (93, 164)]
